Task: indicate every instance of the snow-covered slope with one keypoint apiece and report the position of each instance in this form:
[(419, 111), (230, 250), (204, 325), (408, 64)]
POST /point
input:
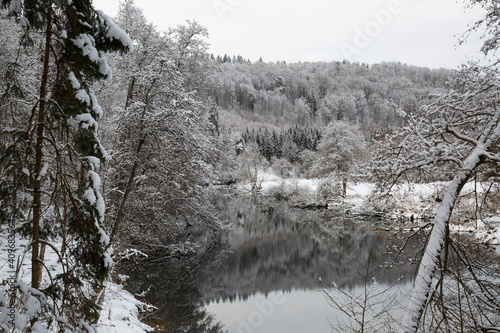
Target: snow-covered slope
[(120, 310)]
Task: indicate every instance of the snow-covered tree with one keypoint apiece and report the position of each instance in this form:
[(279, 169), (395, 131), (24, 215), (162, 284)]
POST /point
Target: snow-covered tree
[(339, 151), (250, 165), (459, 135), (336, 106), (317, 93), (55, 153), (454, 138), (162, 152)]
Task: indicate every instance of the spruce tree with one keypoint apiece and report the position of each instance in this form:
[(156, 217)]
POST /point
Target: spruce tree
[(58, 154)]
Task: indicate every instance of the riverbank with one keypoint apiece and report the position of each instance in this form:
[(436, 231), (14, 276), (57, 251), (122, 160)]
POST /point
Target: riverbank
[(119, 311), (406, 205)]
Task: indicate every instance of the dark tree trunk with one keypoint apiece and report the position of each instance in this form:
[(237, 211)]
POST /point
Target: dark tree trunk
[(36, 263)]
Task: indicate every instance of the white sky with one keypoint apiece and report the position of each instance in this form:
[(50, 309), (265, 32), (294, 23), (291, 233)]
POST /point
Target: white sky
[(416, 32)]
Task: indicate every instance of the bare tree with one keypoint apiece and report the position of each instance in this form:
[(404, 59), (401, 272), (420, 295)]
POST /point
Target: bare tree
[(162, 153)]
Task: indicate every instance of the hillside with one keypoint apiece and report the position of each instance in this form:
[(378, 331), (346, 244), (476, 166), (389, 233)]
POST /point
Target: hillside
[(315, 94)]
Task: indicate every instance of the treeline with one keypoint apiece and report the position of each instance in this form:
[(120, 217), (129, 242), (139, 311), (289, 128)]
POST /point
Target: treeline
[(315, 94), (226, 58), (287, 144)]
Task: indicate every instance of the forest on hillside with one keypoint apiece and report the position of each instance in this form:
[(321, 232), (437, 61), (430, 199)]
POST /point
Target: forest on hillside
[(116, 136), (315, 94)]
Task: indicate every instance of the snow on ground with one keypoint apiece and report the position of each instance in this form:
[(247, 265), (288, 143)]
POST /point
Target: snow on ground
[(487, 230), (267, 180), (270, 181), (358, 193), (413, 197), (416, 200), (120, 310)]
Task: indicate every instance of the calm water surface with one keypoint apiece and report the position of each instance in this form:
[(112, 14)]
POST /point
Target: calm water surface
[(275, 272)]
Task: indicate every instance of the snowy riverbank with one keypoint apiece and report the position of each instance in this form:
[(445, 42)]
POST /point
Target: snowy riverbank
[(406, 203), (119, 313)]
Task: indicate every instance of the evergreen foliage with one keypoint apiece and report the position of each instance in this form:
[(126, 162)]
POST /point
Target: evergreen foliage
[(287, 144), (49, 181)]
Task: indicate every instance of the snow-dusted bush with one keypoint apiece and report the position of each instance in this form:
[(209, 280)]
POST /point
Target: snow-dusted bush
[(298, 192), (282, 192), (282, 167), (329, 188)]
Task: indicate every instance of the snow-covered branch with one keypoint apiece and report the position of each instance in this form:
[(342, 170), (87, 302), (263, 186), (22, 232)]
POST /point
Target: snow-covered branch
[(461, 136), (493, 157), (487, 129), (423, 282)]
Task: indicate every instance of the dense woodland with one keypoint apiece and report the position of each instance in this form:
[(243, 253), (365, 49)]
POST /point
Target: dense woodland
[(95, 112), (315, 94)]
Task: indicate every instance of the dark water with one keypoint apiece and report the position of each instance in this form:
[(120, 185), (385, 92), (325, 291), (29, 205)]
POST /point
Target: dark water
[(278, 270)]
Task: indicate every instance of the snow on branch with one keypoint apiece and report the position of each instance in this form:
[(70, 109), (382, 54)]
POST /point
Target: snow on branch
[(487, 129), (115, 32), (428, 264), (461, 136), (86, 44)]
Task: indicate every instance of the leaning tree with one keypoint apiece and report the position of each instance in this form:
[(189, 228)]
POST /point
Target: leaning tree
[(454, 138)]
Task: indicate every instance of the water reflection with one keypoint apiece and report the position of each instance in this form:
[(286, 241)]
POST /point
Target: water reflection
[(278, 248), (175, 285), (272, 250)]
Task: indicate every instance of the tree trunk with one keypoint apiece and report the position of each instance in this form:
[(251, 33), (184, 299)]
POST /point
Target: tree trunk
[(344, 186), (126, 193), (428, 264), (41, 256), (36, 264)]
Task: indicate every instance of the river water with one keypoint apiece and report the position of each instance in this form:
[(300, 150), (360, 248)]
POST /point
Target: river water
[(281, 270)]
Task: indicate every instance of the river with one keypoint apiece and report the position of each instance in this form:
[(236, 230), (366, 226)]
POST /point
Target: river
[(281, 269)]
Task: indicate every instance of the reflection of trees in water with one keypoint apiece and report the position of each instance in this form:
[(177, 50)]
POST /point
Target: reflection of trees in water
[(174, 285), (280, 248), (272, 248)]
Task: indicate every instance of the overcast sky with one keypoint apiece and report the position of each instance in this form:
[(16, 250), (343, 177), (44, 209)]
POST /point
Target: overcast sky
[(416, 32)]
